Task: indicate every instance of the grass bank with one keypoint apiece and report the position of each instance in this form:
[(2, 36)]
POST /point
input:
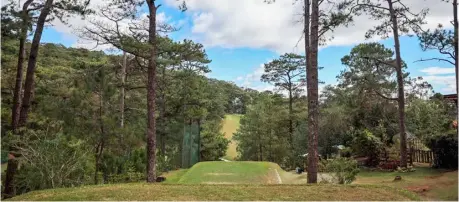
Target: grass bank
[(241, 172), (143, 191)]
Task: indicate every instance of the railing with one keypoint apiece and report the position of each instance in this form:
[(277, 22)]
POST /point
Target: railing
[(418, 152)]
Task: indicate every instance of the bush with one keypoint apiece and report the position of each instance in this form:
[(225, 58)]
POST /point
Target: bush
[(445, 151), (366, 144), (343, 170), (52, 161)]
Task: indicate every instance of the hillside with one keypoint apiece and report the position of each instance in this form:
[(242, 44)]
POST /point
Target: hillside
[(230, 126)]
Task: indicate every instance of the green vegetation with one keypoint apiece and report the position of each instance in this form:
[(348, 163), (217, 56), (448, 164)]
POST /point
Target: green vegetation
[(142, 191), (428, 183), (173, 177), (248, 181), (79, 118), (220, 172), (230, 126)]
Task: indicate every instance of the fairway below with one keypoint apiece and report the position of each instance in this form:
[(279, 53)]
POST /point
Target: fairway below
[(143, 191), (230, 126), (241, 172)]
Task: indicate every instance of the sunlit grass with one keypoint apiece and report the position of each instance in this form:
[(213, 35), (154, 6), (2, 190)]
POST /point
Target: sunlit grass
[(230, 126)]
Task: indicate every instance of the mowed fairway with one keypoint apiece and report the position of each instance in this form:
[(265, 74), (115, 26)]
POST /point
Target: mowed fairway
[(230, 126), (242, 172)]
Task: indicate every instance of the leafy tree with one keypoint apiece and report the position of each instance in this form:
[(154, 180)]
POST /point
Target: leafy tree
[(437, 123), (213, 142), (396, 18), (287, 73), (59, 9), (260, 134)]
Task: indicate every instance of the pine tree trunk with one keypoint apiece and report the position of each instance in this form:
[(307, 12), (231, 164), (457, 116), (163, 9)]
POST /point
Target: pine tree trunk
[(9, 190), (21, 55), (32, 63), (151, 94), (15, 112), (401, 92), (313, 97)]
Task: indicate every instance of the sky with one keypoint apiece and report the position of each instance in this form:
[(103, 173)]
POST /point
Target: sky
[(241, 35)]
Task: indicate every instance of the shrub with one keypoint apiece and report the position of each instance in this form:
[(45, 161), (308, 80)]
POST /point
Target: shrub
[(366, 144), (52, 161), (444, 148), (343, 170)]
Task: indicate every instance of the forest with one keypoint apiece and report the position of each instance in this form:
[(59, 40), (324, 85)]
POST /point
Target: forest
[(75, 117)]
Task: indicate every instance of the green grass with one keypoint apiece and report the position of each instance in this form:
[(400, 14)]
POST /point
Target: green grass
[(173, 177), (244, 180), (428, 183), (230, 126), (241, 172), (143, 191)]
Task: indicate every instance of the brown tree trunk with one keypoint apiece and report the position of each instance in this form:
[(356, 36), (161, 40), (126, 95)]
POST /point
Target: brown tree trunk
[(9, 190), (401, 92), (15, 112), (313, 93), (32, 63), (21, 55), (151, 87)]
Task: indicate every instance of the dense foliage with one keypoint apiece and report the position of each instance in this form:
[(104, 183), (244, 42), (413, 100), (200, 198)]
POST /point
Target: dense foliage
[(77, 112)]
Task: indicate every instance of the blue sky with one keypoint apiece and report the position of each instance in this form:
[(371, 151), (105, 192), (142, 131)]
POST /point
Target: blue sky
[(238, 49)]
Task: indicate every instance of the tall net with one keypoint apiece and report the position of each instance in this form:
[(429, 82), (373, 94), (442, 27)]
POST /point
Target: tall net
[(190, 145)]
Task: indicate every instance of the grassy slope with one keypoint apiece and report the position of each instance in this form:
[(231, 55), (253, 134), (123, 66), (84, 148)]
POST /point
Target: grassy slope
[(249, 181), (219, 172), (143, 191), (246, 180), (230, 126)]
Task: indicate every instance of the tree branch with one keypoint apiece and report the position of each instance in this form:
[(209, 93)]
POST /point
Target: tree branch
[(383, 96), (438, 59)]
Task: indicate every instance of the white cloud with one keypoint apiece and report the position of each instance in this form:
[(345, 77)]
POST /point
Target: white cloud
[(448, 81), (438, 70), (254, 77), (255, 24)]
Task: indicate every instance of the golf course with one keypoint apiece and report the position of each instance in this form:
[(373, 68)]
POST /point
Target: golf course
[(262, 181)]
